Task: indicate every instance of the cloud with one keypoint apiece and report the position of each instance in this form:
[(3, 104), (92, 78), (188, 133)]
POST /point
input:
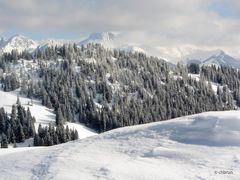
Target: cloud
[(165, 23), (92, 15)]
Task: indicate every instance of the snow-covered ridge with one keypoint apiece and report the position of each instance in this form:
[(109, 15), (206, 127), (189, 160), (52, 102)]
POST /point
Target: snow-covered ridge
[(217, 58), (18, 42), (200, 55), (221, 59), (114, 40), (110, 40), (202, 146)]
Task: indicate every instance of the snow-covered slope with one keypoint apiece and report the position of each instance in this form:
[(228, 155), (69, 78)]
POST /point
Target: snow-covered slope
[(221, 58), (42, 114), (199, 55), (20, 43), (203, 146)]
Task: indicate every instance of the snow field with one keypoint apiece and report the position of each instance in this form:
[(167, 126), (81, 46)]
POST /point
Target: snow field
[(201, 146)]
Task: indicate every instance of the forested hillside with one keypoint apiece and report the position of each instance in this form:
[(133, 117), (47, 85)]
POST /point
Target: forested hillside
[(107, 89), (19, 125)]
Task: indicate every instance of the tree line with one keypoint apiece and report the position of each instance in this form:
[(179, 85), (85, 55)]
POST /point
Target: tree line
[(107, 89), (50, 135), (19, 126)]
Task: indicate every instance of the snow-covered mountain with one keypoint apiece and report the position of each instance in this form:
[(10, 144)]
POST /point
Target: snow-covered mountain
[(203, 146), (217, 57), (112, 40), (221, 58), (199, 55), (18, 42), (107, 39)]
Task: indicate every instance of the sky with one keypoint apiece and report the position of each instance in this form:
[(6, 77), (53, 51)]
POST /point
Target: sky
[(179, 24)]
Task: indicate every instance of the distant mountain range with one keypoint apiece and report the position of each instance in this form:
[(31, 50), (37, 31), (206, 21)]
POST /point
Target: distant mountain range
[(111, 40), (107, 39)]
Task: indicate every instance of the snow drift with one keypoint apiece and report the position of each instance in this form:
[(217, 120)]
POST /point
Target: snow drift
[(203, 146)]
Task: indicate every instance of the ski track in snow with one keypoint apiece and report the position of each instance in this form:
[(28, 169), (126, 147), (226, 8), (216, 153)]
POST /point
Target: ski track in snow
[(41, 170)]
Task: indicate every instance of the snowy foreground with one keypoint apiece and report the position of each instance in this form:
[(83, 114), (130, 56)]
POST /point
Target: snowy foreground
[(203, 146)]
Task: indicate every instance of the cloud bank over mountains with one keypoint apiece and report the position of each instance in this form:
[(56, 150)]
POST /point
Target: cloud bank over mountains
[(176, 24)]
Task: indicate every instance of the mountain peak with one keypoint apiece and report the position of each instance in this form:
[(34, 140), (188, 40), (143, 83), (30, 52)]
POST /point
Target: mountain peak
[(217, 57), (18, 42), (107, 39), (221, 58)]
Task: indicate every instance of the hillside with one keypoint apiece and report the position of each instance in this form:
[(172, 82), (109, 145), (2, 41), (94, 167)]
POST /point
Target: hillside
[(203, 146), (120, 90), (43, 115), (109, 89)]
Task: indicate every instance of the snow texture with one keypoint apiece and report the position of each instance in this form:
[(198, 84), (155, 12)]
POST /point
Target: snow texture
[(203, 146)]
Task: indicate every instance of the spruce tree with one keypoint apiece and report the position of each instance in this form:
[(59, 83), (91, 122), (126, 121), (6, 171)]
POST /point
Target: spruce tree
[(4, 141)]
